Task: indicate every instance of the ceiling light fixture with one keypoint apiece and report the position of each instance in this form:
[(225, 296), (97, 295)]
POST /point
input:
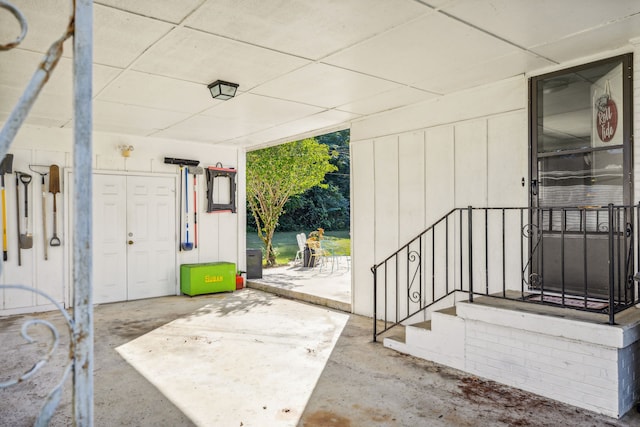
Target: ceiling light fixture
[(223, 90)]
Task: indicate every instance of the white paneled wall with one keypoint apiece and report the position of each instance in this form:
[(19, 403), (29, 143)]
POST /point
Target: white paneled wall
[(467, 149), (411, 185), (470, 163), (439, 175), (221, 235), (363, 225)]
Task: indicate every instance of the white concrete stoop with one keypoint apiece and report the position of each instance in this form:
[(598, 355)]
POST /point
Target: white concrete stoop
[(572, 357), (440, 339)]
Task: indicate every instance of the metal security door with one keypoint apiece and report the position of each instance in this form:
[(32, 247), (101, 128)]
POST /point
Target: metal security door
[(580, 163)]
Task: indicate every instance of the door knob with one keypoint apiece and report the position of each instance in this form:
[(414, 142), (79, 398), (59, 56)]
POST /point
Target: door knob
[(130, 242)]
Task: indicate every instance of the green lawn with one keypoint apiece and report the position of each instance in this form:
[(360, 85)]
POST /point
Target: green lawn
[(286, 246)]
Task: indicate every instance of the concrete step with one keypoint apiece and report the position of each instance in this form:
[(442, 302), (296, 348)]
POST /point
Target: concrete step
[(440, 339)]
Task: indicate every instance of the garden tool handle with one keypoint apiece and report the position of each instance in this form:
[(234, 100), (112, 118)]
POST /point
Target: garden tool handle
[(5, 246), (44, 219), (18, 217), (26, 179), (55, 240)]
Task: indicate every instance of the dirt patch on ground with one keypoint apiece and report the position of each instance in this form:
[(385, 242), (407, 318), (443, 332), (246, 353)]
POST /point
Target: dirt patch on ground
[(326, 419), (521, 408)]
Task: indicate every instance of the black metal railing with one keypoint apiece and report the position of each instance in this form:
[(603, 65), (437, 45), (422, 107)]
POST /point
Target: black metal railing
[(581, 258)]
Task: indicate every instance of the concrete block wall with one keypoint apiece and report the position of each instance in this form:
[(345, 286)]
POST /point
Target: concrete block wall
[(560, 361), (588, 365), (629, 372), (554, 367)]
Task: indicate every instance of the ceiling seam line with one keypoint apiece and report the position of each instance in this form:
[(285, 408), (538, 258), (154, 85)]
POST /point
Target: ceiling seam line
[(155, 18), (509, 42)]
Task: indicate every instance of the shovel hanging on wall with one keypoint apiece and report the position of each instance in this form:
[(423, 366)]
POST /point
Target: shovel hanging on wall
[(54, 188), (26, 239)]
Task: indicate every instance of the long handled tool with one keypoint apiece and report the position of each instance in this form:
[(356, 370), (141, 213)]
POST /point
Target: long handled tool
[(182, 163), (18, 217), (186, 245), (195, 171), (26, 239), (44, 208), (180, 210), (54, 188), (5, 167)]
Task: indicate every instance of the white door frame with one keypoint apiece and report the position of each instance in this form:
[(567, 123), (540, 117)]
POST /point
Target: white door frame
[(68, 264)]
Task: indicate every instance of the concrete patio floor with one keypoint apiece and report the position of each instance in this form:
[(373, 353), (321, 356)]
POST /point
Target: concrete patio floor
[(328, 285), (250, 358)]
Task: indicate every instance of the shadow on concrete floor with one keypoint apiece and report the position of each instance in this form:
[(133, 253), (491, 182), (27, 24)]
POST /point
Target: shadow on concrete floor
[(361, 384)]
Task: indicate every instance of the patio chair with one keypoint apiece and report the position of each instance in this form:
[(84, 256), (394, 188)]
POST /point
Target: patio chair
[(320, 256), (301, 238)]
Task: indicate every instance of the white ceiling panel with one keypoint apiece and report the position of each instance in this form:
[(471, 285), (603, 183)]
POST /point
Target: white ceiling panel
[(17, 67), (47, 21), (134, 117), (202, 58), (208, 129), (325, 120), (164, 10), (530, 23), (121, 37), (607, 37), (398, 97), (158, 92), (54, 107), (324, 86), (37, 121), (294, 60), (308, 28), (261, 110), (485, 72), (431, 44)]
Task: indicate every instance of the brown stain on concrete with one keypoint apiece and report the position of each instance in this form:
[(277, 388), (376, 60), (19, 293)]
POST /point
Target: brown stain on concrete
[(326, 419)]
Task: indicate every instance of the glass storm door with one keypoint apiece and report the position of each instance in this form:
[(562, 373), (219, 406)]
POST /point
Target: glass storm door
[(580, 162)]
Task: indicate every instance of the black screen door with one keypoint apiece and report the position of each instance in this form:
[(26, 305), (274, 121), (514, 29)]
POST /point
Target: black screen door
[(580, 162)]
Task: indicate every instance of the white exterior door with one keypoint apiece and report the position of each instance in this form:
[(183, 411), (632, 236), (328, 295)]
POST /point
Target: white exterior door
[(133, 237), (110, 248), (151, 240)]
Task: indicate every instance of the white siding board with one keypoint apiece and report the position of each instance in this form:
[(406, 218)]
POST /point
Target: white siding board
[(507, 160), (471, 164), (497, 98), (439, 173), (411, 185), (386, 197), (362, 229)]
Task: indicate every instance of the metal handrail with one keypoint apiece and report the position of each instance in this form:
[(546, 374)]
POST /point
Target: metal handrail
[(466, 254)]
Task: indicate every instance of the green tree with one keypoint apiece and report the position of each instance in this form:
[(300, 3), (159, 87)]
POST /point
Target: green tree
[(276, 174), (326, 207)]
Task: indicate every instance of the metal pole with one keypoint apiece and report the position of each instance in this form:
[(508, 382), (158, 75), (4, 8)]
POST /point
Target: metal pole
[(375, 303), (470, 219), (611, 267), (82, 214)]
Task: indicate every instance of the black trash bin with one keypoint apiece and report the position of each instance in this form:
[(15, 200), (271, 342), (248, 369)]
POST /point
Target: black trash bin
[(254, 264)]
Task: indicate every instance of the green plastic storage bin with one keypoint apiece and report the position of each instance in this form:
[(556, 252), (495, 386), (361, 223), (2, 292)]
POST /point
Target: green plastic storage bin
[(198, 279)]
